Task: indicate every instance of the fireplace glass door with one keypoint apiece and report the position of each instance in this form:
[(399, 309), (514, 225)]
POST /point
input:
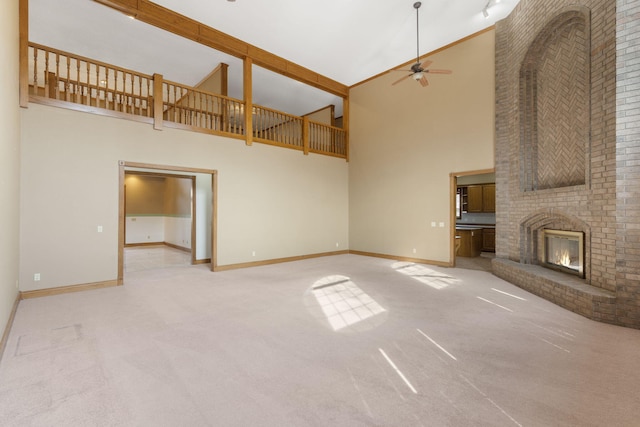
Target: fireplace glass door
[(564, 251)]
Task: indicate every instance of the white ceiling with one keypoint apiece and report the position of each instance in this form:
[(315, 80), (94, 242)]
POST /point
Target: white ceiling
[(345, 40)]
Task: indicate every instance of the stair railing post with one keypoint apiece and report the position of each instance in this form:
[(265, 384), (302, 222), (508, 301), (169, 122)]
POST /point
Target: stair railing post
[(158, 103), (305, 135)]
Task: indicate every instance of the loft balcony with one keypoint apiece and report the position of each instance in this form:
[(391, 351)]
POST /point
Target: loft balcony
[(71, 81)]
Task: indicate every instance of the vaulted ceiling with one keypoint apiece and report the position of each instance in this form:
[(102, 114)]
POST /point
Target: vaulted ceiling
[(346, 40)]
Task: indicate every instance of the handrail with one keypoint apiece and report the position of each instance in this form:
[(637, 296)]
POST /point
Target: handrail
[(63, 76), (326, 139), (73, 81), (276, 126), (189, 106)]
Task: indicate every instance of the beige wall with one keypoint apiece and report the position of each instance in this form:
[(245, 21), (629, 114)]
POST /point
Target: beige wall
[(213, 82), (324, 115), (406, 140), (273, 201), (177, 197), (9, 159), (144, 194)]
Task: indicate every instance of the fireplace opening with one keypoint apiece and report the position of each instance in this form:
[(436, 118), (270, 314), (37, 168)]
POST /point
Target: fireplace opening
[(564, 251)]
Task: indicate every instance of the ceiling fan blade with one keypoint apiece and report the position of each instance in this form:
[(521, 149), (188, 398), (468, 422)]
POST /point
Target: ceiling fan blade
[(439, 71), (425, 64), (404, 78), (423, 81)]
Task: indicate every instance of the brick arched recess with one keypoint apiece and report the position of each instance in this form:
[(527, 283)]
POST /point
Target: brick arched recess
[(597, 191), (531, 238), (555, 104)]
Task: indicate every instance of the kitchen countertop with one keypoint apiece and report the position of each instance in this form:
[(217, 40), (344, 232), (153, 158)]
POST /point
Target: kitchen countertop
[(474, 226)]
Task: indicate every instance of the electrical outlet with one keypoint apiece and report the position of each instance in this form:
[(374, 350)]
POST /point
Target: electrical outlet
[(441, 225), (414, 250), (99, 229), (433, 223), (36, 277), (253, 253), (337, 244)]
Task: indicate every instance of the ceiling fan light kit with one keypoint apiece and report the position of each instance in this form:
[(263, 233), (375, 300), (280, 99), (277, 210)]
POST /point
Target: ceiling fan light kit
[(420, 70)]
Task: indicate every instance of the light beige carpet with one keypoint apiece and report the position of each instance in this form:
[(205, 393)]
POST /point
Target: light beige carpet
[(335, 341)]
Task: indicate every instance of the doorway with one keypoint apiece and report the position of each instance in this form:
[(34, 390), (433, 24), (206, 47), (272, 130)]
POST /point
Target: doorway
[(473, 219), (159, 220), (199, 237)]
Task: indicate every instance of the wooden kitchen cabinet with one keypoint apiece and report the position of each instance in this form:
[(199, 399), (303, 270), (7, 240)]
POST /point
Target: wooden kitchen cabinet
[(489, 239), (470, 242), (489, 198), (474, 198), (481, 198)]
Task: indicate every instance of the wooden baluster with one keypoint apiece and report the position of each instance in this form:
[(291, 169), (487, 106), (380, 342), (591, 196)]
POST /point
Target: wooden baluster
[(88, 100), (168, 101), (176, 117), (98, 90), (124, 98), (66, 80), (148, 101), (117, 98), (45, 76), (47, 83), (140, 95), (57, 76), (134, 96), (78, 88), (108, 97), (128, 93), (35, 70), (199, 115)]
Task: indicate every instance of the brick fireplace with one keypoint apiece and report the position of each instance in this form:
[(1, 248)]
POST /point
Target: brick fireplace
[(564, 158)]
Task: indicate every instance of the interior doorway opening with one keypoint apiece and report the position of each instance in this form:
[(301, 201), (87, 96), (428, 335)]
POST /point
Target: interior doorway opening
[(473, 218), (167, 207), (159, 220)]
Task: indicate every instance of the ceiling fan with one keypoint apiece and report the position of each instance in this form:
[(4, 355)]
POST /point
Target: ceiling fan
[(419, 70)]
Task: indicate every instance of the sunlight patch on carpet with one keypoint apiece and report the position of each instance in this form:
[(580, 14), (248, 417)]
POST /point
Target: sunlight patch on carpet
[(425, 275), (343, 302)]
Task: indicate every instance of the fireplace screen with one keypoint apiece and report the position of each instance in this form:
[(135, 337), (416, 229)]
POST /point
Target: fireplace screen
[(564, 251)]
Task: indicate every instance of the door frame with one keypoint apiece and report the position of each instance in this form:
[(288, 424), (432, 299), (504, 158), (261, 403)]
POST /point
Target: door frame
[(122, 165), (453, 185), (164, 174)]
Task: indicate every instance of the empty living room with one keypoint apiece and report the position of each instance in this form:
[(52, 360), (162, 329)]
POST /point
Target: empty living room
[(234, 213)]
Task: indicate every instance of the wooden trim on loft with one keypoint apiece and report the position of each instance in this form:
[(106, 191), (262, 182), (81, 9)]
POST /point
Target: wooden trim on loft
[(23, 26), (345, 126), (247, 86), (158, 16)]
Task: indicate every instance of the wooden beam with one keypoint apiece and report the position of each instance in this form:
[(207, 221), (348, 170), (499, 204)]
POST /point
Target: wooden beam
[(305, 135), (248, 102), (345, 125), (158, 105), (158, 16), (23, 26)]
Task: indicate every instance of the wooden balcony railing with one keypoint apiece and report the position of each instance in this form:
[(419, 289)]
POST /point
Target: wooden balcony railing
[(205, 110), (60, 76), (73, 81), (272, 126), (324, 139)]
